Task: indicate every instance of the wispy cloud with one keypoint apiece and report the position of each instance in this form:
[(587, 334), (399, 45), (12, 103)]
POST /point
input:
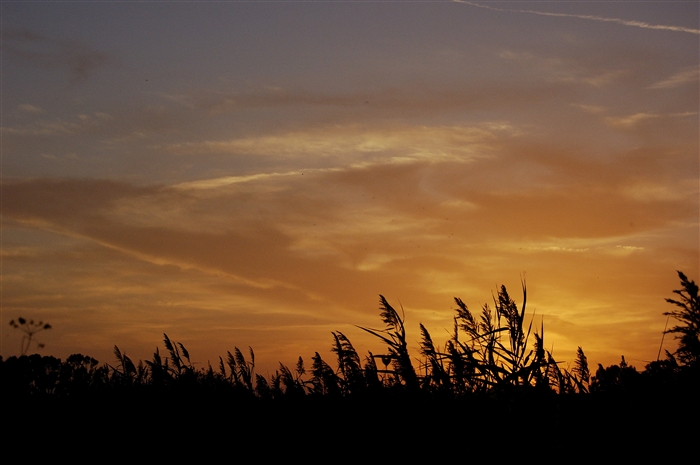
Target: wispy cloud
[(624, 22), (639, 118), (30, 109), (602, 245), (678, 79), (359, 142), (229, 180), (77, 57), (593, 109), (407, 99), (81, 123), (675, 191), (565, 70)]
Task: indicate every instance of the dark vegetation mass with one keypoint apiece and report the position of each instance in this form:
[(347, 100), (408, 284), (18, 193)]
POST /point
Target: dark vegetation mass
[(493, 372)]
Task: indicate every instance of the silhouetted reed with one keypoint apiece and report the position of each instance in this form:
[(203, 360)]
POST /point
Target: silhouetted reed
[(496, 353)]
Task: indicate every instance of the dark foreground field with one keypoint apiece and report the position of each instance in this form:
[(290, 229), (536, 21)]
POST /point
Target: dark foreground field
[(389, 425)]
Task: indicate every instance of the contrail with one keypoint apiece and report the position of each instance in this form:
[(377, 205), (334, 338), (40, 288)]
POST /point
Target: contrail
[(593, 18)]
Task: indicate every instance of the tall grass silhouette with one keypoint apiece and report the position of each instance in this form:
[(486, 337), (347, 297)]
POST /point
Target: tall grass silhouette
[(492, 382), (496, 351)]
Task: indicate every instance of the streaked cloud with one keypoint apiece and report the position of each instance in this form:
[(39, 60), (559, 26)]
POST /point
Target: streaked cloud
[(565, 70), (676, 190), (594, 109), (640, 118), (679, 79), (30, 109), (624, 22), (408, 99), (45, 127), (420, 142)]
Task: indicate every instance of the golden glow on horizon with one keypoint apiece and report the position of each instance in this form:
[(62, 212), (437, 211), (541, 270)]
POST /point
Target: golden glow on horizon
[(265, 192)]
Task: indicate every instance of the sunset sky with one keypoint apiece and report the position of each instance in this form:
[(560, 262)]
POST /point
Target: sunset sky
[(257, 173)]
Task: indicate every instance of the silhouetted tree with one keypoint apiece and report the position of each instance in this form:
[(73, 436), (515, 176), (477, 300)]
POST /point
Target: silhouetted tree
[(615, 378), (689, 314)]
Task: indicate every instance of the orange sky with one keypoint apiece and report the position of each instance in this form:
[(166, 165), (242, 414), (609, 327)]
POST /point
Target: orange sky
[(256, 174)]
